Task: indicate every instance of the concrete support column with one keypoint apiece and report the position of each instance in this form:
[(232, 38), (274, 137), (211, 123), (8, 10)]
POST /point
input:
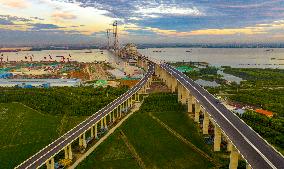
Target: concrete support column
[(205, 123), (113, 113), (50, 163), (174, 84), (234, 159), (105, 122), (82, 140), (179, 92), (138, 98), (68, 152), (229, 146), (110, 117), (217, 138), (168, 80), (120, 110), (184, 95), (96, 130), (130, 100), (197, 112), (189, 103), (92, 131), (102, 123)]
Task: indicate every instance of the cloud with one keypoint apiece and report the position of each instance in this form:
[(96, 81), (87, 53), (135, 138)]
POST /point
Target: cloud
[(14, 18), (37, 18), (172, 10), (64, 15), (257, 29), (5, 22), (40, 26), (15, 3), (254, 5)]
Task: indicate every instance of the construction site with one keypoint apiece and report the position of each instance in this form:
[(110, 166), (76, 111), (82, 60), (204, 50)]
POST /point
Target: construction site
[(98, 67)]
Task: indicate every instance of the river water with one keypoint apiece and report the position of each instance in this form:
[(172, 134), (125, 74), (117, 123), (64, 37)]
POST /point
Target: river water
[(234, 57)]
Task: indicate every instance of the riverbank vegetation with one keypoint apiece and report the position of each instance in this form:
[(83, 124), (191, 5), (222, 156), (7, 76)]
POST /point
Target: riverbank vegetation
[(272, 129)]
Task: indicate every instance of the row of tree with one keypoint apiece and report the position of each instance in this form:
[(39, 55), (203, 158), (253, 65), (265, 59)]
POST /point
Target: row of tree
[(272, 129)]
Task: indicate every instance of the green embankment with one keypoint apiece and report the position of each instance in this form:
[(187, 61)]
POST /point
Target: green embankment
[(25, 131), (154, 132)]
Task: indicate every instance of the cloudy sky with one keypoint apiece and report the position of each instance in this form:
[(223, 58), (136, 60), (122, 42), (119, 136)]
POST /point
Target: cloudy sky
[(141, 21)]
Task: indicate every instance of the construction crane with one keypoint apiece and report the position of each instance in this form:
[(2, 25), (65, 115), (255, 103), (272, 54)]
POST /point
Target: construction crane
[(115, 35), (108, 31)]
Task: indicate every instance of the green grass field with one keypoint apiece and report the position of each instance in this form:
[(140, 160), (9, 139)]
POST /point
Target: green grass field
[(155, 145), (24, 131)]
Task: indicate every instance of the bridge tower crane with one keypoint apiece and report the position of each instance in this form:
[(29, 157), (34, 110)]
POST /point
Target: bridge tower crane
[(108, 32), (115, 35)]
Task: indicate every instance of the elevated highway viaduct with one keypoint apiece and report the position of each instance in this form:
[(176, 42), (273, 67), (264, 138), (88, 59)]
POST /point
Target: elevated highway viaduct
[(94, 124), (241, 139)]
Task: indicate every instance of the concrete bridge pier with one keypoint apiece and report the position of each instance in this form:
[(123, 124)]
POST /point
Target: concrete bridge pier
[(169, 80), (105, 122), (102, 123), (110, 117), (217, 137), (82, 140), (179, 92), (96, 131), (197, 111), (174, 84), (130, 102), (92, 131), (68, 152), (138, 97), (189, 103), (229, 146), (157, 71), (184, 95), (114, 114), (234, 158), (205, 123), (50, 163)]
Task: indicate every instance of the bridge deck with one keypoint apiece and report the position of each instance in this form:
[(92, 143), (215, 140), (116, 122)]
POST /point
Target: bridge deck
[(258, 153)]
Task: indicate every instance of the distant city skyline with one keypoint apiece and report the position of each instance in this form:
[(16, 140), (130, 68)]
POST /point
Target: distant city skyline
[(47, 22)]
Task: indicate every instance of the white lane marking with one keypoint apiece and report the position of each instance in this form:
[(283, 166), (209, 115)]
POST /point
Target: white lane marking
[(133, 90), (260, 153)]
